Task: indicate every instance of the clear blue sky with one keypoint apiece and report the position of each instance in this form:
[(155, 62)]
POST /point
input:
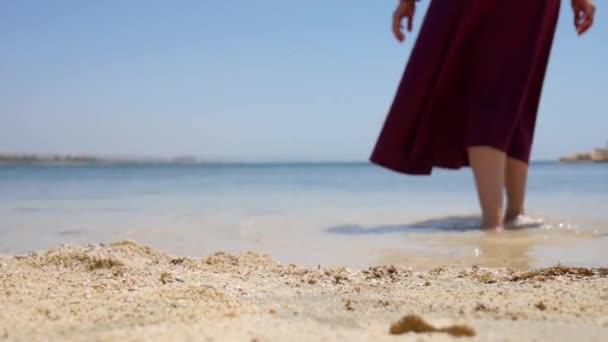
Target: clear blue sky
[(235, 79)]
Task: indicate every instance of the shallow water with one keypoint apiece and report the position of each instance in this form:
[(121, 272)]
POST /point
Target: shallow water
[(352, 214)]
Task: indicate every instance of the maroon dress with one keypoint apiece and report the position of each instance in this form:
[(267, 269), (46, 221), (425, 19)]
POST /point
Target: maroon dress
[(474, 78)]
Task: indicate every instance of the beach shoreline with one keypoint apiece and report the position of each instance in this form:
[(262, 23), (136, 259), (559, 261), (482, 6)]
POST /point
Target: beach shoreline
[(128, 291)]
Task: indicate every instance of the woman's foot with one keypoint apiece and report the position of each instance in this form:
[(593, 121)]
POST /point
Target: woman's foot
[(522, 221), (492, 221), (493, 229)]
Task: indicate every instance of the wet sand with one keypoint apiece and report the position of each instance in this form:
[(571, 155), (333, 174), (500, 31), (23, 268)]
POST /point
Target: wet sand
[(127, 291)]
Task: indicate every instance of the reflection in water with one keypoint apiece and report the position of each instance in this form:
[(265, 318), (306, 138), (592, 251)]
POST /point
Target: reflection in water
[(455, 241), (506, 249), (425, 251)]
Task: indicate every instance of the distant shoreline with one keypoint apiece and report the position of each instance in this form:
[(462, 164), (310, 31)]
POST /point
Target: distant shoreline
[(59, 160), (34, 159), (89, 160)]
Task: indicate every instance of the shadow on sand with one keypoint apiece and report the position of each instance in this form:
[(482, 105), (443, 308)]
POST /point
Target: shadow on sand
[(449, 223)]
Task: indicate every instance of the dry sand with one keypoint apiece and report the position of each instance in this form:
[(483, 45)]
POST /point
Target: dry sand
[(126, 291)]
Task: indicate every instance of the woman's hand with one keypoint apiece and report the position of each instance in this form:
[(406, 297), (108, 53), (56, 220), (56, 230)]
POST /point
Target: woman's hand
[(584, 12), (405, 9)]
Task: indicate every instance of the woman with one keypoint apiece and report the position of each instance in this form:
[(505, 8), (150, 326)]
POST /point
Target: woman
[(470, 94)]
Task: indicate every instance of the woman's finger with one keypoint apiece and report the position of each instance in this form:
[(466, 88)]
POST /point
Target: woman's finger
[(410, 23), (577, 16), (397, 28), (583, 18), (398, 34), (585, 24)]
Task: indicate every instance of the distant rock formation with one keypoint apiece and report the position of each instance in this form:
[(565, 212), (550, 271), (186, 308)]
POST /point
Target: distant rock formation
[(597, 155), (14, 158), (50, 159)]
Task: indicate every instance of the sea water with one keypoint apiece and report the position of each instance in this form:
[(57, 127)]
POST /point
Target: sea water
[(351, 214)]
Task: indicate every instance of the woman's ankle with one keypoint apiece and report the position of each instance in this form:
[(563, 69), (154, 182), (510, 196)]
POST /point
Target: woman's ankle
[(492, 221), (512, 214)]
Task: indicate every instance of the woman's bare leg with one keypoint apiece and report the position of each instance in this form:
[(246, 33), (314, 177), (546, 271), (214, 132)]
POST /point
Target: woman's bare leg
[(516, 177), (489, 170)]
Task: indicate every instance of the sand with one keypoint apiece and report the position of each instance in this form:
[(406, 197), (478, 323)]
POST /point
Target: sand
[(129, 292)]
